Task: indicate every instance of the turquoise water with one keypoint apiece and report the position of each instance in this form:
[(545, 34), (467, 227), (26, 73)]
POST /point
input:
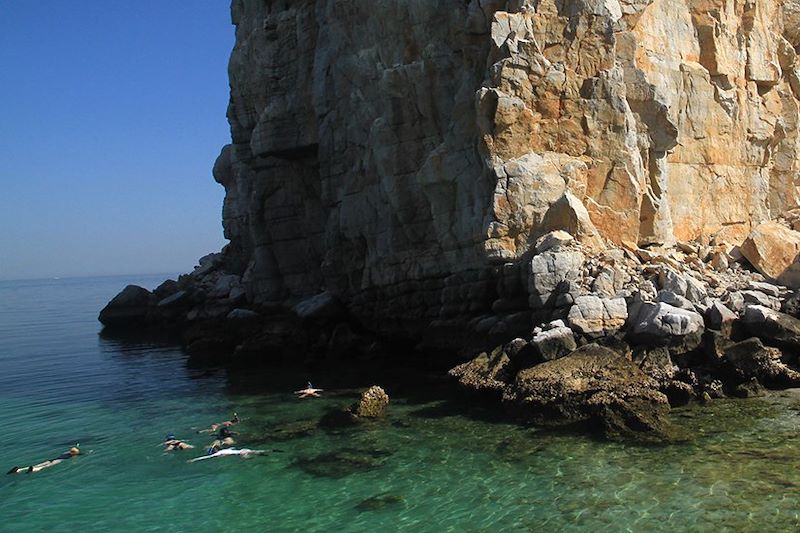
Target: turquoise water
[(432, 465)]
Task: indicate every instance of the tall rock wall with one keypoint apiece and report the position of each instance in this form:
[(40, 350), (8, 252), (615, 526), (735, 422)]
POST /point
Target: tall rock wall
[(405, 155)]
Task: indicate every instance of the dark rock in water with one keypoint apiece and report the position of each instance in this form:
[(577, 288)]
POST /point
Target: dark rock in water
[(381, 501), (751, 359), (289, 431), (372, 404), (131, 307), (592, 385), (748, 389), (177, 299), (342, 463)]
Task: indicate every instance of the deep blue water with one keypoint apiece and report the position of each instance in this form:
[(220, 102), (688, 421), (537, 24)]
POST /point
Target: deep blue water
[(432, 465)]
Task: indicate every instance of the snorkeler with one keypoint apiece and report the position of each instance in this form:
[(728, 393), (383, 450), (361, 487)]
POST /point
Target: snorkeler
[(227, 423), (171, 443), (224, 438), (244, 453), (69, 454), (308, 392)]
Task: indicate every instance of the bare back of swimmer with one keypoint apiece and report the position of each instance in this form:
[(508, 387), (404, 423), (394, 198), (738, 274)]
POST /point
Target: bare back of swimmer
[(69, 454)]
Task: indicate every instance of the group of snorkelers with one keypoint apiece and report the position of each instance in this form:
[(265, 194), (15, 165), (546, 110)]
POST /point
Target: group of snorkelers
[(222, 431), (221, 446)]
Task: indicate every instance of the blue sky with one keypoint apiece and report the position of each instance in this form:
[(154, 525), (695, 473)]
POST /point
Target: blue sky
[(113, 112)]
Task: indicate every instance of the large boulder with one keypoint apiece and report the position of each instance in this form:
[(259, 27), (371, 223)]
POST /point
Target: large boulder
[(772, 249), (770, 325), (592, 385), (596, 317), (661, 324), (551, 274), (131, 307), (489, 372), (320, 306)]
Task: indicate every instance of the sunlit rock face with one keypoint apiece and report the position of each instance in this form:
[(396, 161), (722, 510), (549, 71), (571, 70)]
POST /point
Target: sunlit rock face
[(406, 155)]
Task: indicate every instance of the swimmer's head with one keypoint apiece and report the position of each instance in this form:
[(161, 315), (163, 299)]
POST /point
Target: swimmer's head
[(170, 436), (74, 450)]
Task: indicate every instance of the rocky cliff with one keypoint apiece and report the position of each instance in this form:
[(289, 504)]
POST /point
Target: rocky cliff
[(599, 198), (405, 155)]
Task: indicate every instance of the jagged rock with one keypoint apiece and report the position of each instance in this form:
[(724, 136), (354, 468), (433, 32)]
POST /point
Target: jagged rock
[(554, 239), (662, 324), (751, 359), (720, 318), (771, 325), (748, 389), (675, 300), (551, 274), (594, 316), (323, 305), (555, 342), (131, 307), (167, 288), (207, 264), (610, 281), (773, 249), (596, 385), (791, 305), (568, 213), (178, 299), (488, 372), (682, 285), (656, 363), (738, 300)]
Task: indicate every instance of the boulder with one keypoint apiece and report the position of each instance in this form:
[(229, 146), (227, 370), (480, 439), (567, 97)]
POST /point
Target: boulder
[(555, 342), (675, 300), (239, 314), (552, 240), (178, 299), (131, 307), (372, 404), (660, 324), (772, 326), (720, 318), (595, 317), (569, 214), (751, 359), (551, 274), (738, 300), (772, 249), (592, 385), (682, 285)]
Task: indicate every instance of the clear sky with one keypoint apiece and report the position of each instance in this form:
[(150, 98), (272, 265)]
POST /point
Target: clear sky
[(111, 115)]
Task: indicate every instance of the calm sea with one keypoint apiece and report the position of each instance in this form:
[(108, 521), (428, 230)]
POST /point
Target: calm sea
[(432, 465)]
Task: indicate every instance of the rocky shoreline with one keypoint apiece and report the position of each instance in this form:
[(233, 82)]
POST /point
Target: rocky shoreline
[(613, 338)]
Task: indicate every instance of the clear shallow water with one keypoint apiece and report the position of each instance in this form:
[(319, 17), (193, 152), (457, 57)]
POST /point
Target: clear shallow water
[(431, 466)]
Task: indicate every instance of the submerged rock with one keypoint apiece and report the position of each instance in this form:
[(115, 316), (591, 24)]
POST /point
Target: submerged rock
[(342, 463), (378, 502)]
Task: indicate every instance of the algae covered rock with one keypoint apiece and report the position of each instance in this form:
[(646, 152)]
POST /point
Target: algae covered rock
[(372, 404), (593, 385)]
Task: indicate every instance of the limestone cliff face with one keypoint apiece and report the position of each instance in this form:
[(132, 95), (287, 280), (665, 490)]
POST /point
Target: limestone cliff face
[(405, 155)]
